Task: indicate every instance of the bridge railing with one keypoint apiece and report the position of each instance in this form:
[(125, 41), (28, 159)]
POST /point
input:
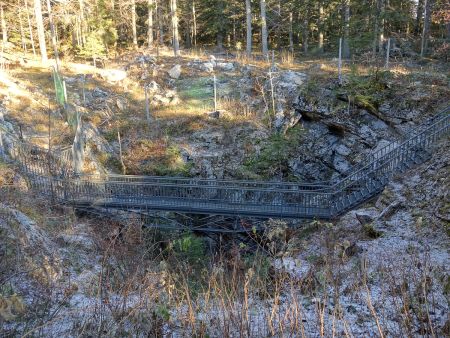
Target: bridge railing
[(137, 195), (387, 161), (50, 173)]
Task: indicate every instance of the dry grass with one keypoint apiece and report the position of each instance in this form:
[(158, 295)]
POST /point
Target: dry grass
[(238, 293)]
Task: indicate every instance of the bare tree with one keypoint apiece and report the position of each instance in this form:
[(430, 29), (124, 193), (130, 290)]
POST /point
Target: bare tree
[(248, 12), (174, 16), (40, 30), (264, 34)]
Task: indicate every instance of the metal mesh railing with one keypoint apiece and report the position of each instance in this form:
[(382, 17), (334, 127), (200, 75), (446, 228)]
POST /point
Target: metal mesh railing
[(50, 172)]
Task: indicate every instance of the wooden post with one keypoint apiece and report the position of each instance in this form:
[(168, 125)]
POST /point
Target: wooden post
[(120, 153), (78, 147), (340, 62), (65, 92), (49, 152), (388, 51), (215, 94), (272, 91), (83, 90), (147, 107)]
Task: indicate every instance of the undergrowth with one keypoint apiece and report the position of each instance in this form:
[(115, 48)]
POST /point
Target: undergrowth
[(273, 159)]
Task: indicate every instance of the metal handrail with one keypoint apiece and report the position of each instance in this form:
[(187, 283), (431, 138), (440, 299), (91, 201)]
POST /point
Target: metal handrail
[(49, 173)]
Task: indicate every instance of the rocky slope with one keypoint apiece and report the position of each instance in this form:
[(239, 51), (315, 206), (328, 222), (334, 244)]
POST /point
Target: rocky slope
[(381, 268)]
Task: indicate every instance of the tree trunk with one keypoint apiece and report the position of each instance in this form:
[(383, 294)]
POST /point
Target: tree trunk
[(419, 15), (174, 16), (150, 23), (188, 35), (40, 30), (29, 27), (264, 34), (248, 12), (4, 30), (383, 4), (194, 22), (221, 32), (22, 33), (291, 32), (320, 25), (133, 23), (376, 28), (82, 22), (159, 12), (426, 26), (305, 34), (53, 35), (219, 41), (346, 44)]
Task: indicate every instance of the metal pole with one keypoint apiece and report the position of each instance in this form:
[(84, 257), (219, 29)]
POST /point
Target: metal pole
[(340, 61), (82, 89), (147, 107), (215, 94), (387, 53), (272, 92)]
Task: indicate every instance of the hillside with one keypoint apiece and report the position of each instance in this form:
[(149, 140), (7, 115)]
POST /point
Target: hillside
[(212, 168)]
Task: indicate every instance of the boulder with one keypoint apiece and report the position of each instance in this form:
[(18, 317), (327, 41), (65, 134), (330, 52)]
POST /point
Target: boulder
[(212, 60), (98, 93), (175, 72), (113, 75), (290, 78), (207, 67), (366, 216), (94, 137), (219, 114), (153, 87), (341, 164), (342, 150), (225, 66)]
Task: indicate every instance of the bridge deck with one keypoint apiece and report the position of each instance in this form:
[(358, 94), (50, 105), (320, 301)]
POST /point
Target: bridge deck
[(208, 207)]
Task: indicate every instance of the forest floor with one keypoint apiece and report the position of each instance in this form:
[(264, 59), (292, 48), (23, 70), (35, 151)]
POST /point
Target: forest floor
[(380, 270), (186, 138)]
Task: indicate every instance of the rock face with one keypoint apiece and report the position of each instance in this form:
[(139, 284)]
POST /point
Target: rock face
[(175, 72), (35, 244), (219, 153), (286, 87)]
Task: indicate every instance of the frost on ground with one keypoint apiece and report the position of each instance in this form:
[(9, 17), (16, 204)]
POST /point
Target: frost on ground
[(380, 270)]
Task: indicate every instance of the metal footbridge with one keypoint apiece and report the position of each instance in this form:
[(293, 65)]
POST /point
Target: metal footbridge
[(210, 205)]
